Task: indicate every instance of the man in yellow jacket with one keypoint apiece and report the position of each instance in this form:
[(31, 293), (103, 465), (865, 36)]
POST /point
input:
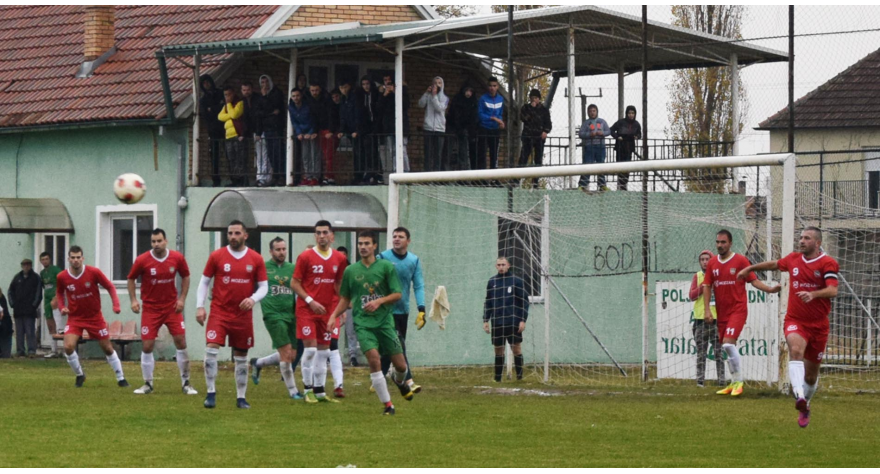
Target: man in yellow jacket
[(232, 116), (705, 332)]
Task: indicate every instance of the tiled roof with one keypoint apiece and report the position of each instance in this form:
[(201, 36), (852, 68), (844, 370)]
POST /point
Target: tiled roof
[(41, 49), (849, 100)]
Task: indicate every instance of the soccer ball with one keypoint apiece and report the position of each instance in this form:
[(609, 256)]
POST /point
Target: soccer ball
[(129, 188)]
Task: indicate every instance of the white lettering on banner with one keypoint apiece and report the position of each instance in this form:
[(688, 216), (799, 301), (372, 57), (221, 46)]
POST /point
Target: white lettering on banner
[(676, 348)]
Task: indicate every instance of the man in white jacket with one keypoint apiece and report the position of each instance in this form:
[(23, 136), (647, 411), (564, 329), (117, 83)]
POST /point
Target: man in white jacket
[(435, 102)]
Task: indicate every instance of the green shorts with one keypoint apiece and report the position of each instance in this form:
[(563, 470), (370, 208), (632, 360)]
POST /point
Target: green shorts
[(47, 308), (383, 339), (282, 331)]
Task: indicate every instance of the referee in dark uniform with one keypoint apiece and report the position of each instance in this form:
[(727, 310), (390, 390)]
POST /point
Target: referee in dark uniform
[(506, 308)]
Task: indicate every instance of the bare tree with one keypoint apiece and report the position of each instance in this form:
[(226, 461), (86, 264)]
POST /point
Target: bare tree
[(701, 105), (454, 11)]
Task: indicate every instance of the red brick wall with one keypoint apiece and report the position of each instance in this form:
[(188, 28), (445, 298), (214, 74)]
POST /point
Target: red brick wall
[(316, 15)]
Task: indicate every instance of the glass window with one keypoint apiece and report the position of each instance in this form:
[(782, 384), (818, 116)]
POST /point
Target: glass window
[(131, 237)]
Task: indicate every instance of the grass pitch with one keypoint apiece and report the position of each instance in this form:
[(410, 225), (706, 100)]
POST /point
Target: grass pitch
[(463, 420)]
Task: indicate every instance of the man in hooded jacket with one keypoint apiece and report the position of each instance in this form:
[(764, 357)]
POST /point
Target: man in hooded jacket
[(435, 103), (210, 105), (625, 132)]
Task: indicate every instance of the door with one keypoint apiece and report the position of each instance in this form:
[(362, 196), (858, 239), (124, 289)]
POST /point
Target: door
[(872, 176), (56, 245)]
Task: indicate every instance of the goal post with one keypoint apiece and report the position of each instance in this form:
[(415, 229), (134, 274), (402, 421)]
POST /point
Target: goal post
[(535, 217)]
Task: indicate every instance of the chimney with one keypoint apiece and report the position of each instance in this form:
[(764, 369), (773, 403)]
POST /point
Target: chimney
[(99, 30)]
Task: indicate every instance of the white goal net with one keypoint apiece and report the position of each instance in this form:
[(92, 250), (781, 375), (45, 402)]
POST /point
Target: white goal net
[(581, 258)]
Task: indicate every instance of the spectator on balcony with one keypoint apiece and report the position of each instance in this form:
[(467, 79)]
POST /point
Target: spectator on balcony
[(491, 115), (321, 105), (274, 127), (536, 125), (386, 110), (366, 157), (304, 129), (435, 103), (349, 123), (252, 108), (335, 110), (593, 133), (302, 85), (232, 115), (462, 121), (210, 105), (625, 132)]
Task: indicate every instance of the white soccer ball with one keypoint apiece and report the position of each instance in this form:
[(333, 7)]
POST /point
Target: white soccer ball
[(129, 188)]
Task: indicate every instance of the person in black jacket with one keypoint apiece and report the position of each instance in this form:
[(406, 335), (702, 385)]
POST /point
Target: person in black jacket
[(254, 130), (25, 294), (387, 118), (321, 106), (507, 309), (367, 145), (274, 127), (462, 122), (210, 105), (625, 132), (536, 125), (5, 328)]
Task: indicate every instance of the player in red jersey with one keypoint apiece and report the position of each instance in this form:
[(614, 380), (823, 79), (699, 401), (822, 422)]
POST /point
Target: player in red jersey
[(158, 269), (812, 284), (238, 270), (316, 282), (79, 284), (731, 303)]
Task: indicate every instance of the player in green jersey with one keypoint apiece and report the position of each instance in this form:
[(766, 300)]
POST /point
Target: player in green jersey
[(373, 286), (279, 318), (49, 276)]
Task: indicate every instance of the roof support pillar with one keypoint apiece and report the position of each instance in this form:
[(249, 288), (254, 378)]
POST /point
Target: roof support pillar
[(572, 127), (291, 83), (398, 109), (621, 102), (734, 96), (194, 168)]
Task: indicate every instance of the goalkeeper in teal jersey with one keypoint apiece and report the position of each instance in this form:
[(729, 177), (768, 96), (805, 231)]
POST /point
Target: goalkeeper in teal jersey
[(409, 270), (372, 287), (279, 318)]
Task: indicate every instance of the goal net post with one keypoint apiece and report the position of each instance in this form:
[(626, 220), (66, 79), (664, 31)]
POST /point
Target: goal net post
[(605, 274)]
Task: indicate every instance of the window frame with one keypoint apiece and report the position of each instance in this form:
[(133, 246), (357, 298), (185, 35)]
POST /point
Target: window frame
[(105, 215)]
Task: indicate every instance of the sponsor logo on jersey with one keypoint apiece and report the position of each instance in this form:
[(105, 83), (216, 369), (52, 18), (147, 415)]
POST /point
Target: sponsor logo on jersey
[(212, 334), (794, 284), (226, 280), (317, 281), (241, 280), (249, 268)]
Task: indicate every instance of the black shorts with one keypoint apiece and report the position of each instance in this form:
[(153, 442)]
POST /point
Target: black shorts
[(506, 333)]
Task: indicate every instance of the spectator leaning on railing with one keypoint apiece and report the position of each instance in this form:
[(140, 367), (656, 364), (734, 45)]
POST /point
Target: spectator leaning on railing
[(252, 109), (304, 130), (593, 133), (349, 125), (536, 125), (366, 166), (232, 115), (435, 102), (274, 126), (320, 104)]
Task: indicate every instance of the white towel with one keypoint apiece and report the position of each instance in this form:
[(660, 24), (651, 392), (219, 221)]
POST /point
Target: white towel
[(440, 307)]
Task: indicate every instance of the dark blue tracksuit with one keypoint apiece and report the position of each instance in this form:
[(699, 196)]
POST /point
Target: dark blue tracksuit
[(507, 304)]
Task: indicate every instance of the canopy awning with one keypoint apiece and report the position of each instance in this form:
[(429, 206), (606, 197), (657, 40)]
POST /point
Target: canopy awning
[(291, 211), (24, 216), (605, 41)]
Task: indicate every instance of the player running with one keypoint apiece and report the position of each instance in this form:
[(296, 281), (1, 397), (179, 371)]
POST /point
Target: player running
[(158, 269), (49, 275), (409, 270), (316, 281), (730, 303), (812, 285), (279, 318), (236, 268), (79, 285), (374, 287)]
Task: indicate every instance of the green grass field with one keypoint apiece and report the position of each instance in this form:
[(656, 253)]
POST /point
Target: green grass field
[(456, 421)]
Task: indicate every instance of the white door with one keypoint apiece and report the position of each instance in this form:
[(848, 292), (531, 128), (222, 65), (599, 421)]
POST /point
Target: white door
[(56, 245), (872, 178)]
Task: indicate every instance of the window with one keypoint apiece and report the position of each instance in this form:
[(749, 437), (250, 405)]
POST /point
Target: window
[(521, 244), (56, 245), (332, 73), (123, 234)]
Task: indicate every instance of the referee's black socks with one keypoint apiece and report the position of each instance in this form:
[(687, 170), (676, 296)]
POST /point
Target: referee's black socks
[(499, 367), (518, 363)]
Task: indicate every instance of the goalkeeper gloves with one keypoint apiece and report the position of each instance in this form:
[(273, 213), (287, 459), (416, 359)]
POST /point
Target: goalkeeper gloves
[(420, 319)]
